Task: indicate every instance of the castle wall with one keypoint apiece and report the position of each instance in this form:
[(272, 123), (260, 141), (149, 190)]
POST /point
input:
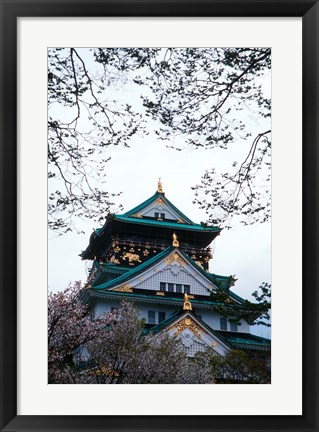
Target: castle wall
[(211, 318)]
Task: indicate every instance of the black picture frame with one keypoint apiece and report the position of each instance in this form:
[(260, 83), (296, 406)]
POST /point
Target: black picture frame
[(10, 11)]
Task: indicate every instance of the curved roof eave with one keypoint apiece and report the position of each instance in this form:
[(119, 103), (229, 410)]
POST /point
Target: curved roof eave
[(167, 224)]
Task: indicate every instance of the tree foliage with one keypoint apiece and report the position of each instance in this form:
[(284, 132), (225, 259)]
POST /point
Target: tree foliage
[(69, 328), (237, 367), (113, 348), (83, 121), (254, 313), (204, 98)]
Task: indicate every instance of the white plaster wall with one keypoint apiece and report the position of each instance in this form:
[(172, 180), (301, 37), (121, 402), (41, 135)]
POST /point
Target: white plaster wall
[(103, 306), (213, 320), (169, 213), (171, 274), (210, 317), (208, 340)]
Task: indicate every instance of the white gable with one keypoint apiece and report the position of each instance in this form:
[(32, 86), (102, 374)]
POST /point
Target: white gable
[(195, 337), (160, 206), (174, 269)]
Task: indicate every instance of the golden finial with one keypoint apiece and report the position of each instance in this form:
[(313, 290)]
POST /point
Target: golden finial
[(160, 186), (187, 304), (175, 241)]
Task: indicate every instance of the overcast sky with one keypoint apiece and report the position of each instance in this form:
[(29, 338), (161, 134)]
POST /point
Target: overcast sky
[(134, 171)]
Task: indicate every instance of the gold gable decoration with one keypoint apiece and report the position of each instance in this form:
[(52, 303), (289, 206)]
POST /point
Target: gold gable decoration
[(159, 201), (188, 323), (175, 258)]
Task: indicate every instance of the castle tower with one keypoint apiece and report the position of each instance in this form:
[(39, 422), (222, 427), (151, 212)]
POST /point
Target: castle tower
[(157, 257)]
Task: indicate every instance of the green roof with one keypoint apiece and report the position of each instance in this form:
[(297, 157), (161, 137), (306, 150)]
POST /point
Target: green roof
[(245, 340), (130, 273), (154, 198), (159, 327), (234, 340), (165, 223), (160, 299), (135, 271), (114, 268)]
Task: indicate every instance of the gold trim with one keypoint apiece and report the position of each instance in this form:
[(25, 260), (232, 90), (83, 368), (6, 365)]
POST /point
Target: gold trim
[(177, 258), (229, 300), (188, 323), (160, 201), (175, 241), (160, 186), (187, 304), (124, 288), (131, 257)]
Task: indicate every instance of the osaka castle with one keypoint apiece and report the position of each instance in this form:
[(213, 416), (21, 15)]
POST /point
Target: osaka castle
[(158, 258)]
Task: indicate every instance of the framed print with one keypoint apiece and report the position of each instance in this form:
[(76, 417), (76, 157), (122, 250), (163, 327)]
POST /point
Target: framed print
[(28, 402)]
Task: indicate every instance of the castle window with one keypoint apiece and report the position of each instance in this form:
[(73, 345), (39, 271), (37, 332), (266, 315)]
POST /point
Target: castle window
[(159, 216), (187, 289), (233, 327), (223, 324), (161, 317), (179, 288), (151, 317), (170, 287)]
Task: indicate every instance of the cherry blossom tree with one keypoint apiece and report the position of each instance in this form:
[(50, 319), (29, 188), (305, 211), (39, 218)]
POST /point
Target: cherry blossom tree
[(113, 348), (70, 327)]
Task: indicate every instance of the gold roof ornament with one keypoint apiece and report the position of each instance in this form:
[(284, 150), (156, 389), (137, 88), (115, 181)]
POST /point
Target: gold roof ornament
[(175, 241), (160, 186), (187, 304)]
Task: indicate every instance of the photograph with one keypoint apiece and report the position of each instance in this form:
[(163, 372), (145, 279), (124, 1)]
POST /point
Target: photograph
[(159, 215)]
